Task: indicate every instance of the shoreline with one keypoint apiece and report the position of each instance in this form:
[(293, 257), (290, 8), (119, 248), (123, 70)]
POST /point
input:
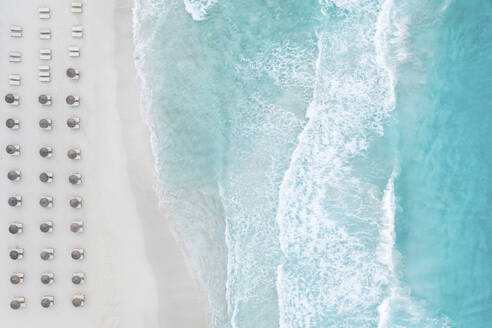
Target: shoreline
[(188, 308)]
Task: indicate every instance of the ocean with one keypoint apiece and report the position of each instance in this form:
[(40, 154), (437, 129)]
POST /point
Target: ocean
[(326, 162)]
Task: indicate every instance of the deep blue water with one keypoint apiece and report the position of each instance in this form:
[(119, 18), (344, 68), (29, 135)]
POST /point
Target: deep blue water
[(326, 162)]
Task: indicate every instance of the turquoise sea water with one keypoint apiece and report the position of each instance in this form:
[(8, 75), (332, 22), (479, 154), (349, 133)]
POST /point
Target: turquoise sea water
[(326, 162)]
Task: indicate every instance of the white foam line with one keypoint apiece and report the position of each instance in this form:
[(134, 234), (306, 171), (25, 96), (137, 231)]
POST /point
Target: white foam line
[(380, 38), (387, 242), (386, 245), (282, 201)]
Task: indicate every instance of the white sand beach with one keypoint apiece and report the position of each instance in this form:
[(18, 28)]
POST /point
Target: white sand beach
[(137, 274)]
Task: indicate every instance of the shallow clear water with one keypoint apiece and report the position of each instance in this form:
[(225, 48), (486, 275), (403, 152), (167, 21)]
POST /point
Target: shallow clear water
[(326, 162)]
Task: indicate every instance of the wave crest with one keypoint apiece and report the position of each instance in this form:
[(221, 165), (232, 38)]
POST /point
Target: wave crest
[(198, 8)]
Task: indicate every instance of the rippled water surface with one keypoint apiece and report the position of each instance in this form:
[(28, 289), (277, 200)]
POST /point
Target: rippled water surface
[(326, 162)]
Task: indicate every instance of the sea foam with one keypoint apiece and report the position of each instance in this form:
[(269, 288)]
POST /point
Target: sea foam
[(198, 8), (331, 200)]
